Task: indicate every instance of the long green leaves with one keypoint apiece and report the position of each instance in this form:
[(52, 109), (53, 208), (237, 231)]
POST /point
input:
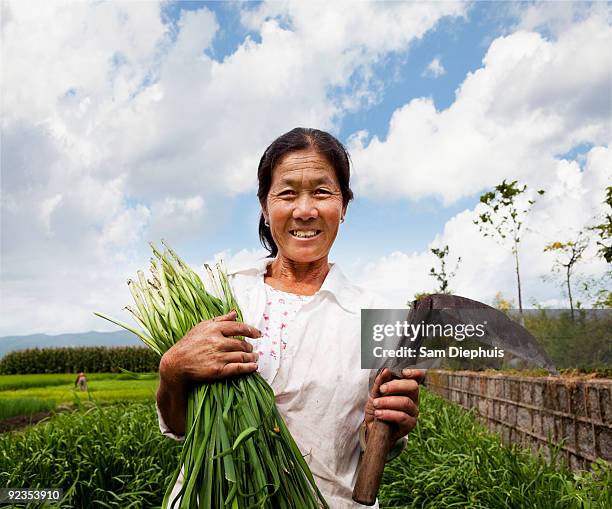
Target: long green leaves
[(238, 452), (452, 461), (112, 456), (115, 457)]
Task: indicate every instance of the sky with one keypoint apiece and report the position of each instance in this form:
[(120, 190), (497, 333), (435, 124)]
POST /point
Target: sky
[(129, 122)]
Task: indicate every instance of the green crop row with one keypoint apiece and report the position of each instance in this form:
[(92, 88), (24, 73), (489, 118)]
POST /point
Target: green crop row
[(116, 457), (14, 382), (103, 457), (452, 461), (97, 359), (24, 406)]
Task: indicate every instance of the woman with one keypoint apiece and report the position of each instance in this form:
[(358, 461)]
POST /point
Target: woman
[(81, 382), (307, 314)]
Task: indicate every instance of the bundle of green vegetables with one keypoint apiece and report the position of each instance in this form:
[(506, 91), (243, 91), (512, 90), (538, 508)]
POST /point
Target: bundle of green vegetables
[(238, 452)]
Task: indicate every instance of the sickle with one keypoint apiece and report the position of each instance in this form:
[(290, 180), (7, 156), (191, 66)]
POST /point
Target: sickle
[(453, 309)]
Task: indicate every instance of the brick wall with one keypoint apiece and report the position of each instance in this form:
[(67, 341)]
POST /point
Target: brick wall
[(533, 410)]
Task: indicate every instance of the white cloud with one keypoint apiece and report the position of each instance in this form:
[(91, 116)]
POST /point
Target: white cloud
[(531, 100), (179, 216), (434, 69), (372, 28), (552, 17), (138, 129), (573, 199), (122, 133), (79, 51), (125, 228)]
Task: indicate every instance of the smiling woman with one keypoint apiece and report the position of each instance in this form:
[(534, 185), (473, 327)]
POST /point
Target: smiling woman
[(304, 193), (308, 170), (307, 319), (304, 206)]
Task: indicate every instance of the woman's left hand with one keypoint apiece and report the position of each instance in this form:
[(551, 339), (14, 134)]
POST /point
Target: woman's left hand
[(396, 401)]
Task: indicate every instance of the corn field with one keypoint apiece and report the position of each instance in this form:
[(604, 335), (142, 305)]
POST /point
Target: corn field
[(97, 359)]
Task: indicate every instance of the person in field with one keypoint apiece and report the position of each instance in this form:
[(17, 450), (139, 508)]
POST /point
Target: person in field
[(302, 323), (81, 382)]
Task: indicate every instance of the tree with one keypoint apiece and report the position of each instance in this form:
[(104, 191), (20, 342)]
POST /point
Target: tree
[(604, 230), (503, 218), (442, 276), (568, 254), (597, 289)]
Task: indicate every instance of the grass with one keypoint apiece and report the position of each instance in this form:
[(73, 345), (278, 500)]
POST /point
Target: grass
[(114, 456), (24, 406), (103, 387), (111, 456), (453, 461), (586, 373), (13, 382)]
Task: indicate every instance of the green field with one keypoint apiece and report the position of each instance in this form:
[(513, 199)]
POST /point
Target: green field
[(24, 406), (113, 455), (12, 382), (452, 461), (102, 387), (28, 394), (105, 456)]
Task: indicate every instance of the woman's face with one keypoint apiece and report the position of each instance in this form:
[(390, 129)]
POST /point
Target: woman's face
[(304, 206)]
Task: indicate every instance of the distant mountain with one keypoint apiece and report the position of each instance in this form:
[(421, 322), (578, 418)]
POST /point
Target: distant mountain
[(116, 338)]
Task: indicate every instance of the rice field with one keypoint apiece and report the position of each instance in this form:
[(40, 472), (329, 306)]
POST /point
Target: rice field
[(114, 456), (24, 406), (102, 388), (13, 382)]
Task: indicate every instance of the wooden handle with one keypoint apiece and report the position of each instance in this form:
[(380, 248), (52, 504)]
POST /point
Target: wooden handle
[(372, 463)]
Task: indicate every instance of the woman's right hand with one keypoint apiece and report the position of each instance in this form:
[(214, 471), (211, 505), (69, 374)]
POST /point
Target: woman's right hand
[(208, 352)]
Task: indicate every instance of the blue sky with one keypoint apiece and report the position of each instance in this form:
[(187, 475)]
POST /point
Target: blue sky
[(460, 43), (148, 120)]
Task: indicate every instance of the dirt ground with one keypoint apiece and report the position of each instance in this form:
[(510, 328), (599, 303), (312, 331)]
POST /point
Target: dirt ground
[(21, 421)]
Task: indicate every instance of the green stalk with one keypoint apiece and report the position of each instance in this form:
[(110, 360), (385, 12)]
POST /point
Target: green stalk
[(237, 452)]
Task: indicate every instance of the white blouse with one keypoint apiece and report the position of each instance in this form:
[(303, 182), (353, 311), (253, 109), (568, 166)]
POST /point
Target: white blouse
[(320, 388), (281, 308)]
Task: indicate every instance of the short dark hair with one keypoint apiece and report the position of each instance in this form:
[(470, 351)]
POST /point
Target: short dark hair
[(300, 138)]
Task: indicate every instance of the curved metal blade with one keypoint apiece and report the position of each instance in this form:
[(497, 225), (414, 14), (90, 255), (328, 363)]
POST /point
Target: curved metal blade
[(502, 331)]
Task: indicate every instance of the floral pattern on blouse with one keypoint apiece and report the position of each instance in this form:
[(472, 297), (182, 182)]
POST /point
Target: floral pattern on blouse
[(281, 308)]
